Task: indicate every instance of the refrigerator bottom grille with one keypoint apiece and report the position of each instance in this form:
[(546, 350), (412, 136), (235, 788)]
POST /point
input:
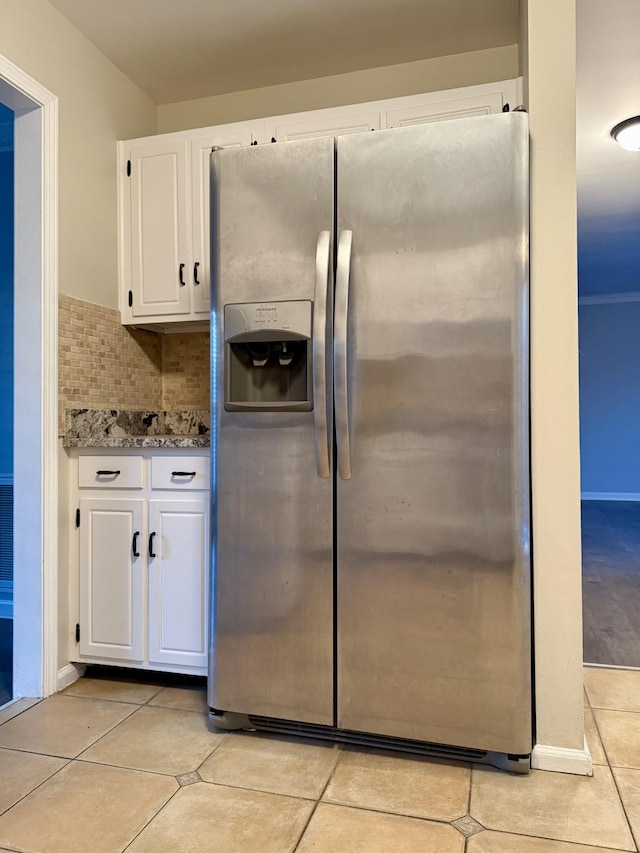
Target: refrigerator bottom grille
[(511, 763)]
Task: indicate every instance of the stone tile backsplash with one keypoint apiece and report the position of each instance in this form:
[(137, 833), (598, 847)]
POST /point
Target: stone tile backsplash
[(185, 371), (105, 365)]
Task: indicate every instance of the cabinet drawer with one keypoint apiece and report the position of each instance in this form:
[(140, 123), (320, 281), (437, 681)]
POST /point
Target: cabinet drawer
[(110, 472), (180, 472)]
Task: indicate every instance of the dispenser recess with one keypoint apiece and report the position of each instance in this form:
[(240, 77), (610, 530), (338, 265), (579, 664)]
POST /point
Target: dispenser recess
[(268, 356)]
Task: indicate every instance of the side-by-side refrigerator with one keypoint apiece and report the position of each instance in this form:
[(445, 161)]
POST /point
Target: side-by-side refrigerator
[(370, 488)]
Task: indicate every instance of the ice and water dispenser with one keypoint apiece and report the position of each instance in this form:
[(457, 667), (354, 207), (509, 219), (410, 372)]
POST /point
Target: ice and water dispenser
[(268, 356)]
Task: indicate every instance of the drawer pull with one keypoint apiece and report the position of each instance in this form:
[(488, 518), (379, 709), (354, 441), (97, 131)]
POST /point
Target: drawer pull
[(107, 473), (183, 473), (151, 553), (134, 544)]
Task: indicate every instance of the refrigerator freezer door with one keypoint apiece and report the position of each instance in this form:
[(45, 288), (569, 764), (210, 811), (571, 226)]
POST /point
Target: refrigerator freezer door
[(433, 595), (272, 633)]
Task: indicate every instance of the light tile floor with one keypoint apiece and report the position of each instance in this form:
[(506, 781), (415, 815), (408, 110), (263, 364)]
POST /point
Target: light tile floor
[(110, 766)]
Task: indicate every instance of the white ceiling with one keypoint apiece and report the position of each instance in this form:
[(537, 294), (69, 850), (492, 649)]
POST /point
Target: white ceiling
[(608, 91), (194, 48)]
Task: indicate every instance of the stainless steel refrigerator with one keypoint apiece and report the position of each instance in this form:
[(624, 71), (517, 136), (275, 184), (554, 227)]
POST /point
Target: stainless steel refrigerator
[(370, 553)]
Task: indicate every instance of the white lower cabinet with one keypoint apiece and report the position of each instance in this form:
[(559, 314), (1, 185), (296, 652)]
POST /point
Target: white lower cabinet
[(178, 582), (143, 571), (112, 579)]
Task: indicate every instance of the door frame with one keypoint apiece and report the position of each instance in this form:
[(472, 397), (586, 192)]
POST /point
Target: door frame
[(35, 657)]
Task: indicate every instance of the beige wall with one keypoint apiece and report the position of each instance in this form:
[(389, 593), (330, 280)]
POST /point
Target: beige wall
[(411, 78), (98, 105), (550, 78)]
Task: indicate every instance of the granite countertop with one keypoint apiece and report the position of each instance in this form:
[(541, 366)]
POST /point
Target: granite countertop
[(119, 428)]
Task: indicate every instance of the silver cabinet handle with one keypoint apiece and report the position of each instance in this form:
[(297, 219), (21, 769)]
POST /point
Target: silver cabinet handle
[(323, 252), (343, 269)]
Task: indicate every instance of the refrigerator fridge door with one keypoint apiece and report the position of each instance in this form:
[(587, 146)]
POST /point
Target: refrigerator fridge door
[(272, 610), (433, 589)]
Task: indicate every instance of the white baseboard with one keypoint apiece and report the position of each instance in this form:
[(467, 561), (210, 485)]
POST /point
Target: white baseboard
[(610, 496), (68, 674), (560, 760)]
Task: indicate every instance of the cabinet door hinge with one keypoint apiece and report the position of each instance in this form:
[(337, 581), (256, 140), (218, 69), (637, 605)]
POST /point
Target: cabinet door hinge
[(77, 632), (131, 299), (78, 517), (128, 168)]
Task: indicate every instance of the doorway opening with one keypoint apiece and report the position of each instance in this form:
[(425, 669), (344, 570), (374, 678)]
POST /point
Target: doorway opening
[(607, 70), (34, 445), (6, 404), (610, 451)]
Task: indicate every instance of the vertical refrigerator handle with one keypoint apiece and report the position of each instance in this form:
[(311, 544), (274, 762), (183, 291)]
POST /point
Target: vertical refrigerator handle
[(343, 270), (323, 256)]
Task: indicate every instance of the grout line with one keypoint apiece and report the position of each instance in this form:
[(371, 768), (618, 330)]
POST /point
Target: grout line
[(614, 710), (125, 767), (611, 769), (619, 793), (18, 713), (341, 752), (236, 787), (106, 699), (223, 739), (469, 794), (153, 817), (146, 703), (108, 732), (576, 844), (31, 752), (439, 820), (40, 784)]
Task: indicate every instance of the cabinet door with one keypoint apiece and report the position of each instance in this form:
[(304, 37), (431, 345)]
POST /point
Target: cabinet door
[(325, 123), (112, 579), (229, 136), (178, 582), (423, 109), (160, 257)]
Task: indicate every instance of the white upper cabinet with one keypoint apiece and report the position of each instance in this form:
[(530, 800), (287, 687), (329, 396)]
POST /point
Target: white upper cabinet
[(165, 280), (322, 123), (424, 109), (160, 250), (228, 136), (164, 240)]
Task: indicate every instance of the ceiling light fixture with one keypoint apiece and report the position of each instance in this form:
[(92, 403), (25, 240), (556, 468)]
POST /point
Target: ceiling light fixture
[(627, 134)]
